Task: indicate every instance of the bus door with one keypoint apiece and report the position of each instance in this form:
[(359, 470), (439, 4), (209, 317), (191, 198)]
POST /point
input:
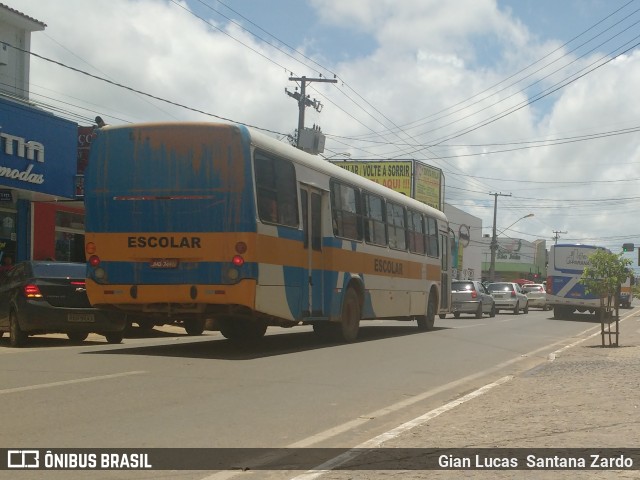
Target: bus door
[(311, 203), (445, 281)]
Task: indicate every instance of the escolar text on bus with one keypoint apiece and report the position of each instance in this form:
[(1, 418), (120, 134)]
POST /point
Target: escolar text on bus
[(163, 242)]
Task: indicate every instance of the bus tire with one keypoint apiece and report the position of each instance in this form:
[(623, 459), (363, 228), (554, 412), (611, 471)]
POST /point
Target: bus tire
[(114, 337), (325, 330), (77, 337), (194, 326), (242, 329), (426, 322), (350, 317)]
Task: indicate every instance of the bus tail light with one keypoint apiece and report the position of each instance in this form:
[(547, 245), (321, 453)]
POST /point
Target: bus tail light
[(237, 260), (94, 260), (241, 248)]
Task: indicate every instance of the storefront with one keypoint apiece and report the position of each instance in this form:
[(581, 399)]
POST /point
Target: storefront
[(41, 213)]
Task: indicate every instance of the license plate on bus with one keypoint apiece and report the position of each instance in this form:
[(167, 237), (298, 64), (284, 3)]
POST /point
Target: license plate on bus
[(164, 263), (81, 317)]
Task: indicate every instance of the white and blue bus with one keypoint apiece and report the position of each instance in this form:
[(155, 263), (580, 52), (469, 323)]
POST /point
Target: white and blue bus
[(565, 293), (194, 221)]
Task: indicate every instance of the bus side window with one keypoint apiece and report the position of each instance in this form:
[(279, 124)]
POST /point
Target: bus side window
[(276, 190), (346, 211), (432, 237), (375, 231), (396, 226)]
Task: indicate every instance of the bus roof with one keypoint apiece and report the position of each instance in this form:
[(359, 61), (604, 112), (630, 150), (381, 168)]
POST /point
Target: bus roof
[(265, 142)]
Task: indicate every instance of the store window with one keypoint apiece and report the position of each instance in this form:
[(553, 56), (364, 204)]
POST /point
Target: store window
[(69, 237)]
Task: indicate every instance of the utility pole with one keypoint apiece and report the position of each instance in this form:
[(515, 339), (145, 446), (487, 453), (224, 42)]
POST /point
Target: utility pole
[(303, 99), (556, 235), (494, 237)]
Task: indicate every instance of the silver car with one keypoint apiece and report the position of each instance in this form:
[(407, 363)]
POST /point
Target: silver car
[(536, 294), (470, 296), (509, 296)]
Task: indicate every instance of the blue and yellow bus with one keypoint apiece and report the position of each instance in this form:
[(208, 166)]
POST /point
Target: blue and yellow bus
[(194, 221)]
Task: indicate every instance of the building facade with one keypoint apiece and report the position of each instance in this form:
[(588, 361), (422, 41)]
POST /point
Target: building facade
[(41, 214), (466, 245), (515, 259)]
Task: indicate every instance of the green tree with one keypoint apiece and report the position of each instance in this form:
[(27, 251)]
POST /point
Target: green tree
[(604, 275)]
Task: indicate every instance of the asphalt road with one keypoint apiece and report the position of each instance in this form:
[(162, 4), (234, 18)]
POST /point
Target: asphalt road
[(168, 389)]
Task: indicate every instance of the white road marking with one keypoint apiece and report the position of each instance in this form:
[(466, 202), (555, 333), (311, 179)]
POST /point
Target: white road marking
[(69, 382), (380, 439)]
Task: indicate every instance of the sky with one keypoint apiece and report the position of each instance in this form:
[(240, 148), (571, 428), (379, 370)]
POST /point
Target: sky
[(536, 100)]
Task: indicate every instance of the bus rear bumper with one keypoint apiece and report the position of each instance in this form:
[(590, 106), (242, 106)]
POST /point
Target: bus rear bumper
[(193, 299)]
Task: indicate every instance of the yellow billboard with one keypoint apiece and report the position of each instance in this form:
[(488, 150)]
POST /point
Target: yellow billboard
[(396, 175), (428, 181)]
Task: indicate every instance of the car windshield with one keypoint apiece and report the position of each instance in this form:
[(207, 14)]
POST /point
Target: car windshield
[(500, 287), (59, 270), (458, 286)]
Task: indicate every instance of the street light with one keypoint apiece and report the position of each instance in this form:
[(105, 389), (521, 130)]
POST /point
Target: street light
[(494, 245)]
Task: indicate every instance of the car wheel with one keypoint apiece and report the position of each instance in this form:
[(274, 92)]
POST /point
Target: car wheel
[(516, 309), (17, 337), (526, 308), (114, 337), (456, 315), (77, 337), (493, 311), (479, 311), (442, 316)]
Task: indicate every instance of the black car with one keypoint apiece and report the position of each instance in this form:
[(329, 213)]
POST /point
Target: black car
[(39, 297)]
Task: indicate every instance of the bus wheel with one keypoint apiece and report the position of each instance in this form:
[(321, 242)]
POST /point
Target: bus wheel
[(114, 337), (325, 330), (242, 329), (194, 326), (350, 318), (77, 337), (425, 322)]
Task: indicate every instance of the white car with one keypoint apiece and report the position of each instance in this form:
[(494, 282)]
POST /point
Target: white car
[(536, 294), (509, 296)]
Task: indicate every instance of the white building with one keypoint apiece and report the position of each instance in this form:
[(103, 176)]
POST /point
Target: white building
[(467, 246)]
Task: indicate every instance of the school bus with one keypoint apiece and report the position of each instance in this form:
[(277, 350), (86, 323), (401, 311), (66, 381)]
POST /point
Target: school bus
[(195, 221)]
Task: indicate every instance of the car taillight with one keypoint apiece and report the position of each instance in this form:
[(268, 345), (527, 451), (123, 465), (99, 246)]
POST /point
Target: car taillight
[(513, 293), (31, 291), (474, 294)]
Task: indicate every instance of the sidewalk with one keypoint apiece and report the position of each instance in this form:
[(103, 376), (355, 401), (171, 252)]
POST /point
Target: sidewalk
[(584, 396)]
